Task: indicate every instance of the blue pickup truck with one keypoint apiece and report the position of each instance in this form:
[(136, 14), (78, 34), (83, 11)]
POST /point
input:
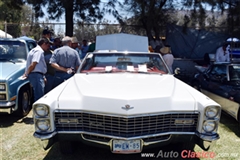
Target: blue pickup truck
[(16, 94)]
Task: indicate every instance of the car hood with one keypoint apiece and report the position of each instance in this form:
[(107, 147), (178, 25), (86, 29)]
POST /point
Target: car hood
[(111, 93), (8, 68)]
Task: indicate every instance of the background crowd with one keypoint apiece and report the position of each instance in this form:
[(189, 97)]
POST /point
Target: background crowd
[(53, 61)]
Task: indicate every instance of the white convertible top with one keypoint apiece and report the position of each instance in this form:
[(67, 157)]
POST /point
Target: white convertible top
[(122, 42)]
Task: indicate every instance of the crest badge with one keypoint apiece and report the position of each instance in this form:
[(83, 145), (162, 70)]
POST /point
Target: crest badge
[(127, 107)]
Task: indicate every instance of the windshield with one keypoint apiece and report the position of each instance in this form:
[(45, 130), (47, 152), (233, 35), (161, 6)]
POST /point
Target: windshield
[(13, 50), (234, 72), (122, 62)]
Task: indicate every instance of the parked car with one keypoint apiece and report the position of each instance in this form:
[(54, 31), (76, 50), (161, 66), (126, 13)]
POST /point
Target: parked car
[(125, 100), (15, 93), (221, 82)]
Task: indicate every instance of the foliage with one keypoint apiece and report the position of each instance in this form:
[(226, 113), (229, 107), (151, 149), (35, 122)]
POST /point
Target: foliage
[(9, 13), (85, 10), (154, 15), (150, 14), (90, 31), (29, 26), (148, 17)]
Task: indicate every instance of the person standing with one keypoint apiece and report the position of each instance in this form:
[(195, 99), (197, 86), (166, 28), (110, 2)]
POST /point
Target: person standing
[(46, 33), (36, 68), (92, 46), (65, 60), (47, 55), (57, 42), (222, 54), (75, 45), (84, 49), (167, 56)]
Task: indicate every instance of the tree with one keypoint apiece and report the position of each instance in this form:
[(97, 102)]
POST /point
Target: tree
[(9, 13), (85, 10), (151, 15), (29, 24)]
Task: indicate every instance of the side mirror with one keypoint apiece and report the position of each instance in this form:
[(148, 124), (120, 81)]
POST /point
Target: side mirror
[(177, 71)]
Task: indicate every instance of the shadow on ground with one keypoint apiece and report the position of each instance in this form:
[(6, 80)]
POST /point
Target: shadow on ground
[(85, 152), (230, 123), (7, 120)]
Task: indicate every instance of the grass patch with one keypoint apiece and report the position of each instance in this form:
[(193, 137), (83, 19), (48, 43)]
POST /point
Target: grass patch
[(17, 142)]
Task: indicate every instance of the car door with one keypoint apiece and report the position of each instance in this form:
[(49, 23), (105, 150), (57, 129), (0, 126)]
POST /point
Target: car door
[(213, 85), (217, 88)]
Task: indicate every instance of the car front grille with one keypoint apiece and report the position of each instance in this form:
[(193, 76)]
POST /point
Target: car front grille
[(124, 126)]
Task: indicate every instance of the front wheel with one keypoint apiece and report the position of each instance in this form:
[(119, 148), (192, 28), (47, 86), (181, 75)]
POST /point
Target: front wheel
[(24, 102)]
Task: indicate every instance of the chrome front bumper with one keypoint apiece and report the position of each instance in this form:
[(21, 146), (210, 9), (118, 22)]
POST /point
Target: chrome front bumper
[(204, 141), (7, 104)]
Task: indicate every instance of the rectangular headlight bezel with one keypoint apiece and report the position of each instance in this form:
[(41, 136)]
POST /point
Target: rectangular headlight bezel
[(3, 97), (2, 87)]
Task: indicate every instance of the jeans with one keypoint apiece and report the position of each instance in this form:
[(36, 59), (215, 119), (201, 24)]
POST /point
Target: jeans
[(37, 82), (60, 77)]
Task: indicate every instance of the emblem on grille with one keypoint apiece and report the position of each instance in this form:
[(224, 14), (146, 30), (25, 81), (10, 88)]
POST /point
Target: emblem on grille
[(127, 107)]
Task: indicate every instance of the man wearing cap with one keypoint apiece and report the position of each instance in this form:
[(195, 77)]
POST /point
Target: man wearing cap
[(46, 33), (36, 67), (167, 56), (65, 60), (57, 42)]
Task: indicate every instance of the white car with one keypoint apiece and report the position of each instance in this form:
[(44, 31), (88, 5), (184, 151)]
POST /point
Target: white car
[(126, 101)]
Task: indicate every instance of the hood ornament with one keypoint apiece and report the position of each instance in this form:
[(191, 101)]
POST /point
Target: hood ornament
[(127, 107)]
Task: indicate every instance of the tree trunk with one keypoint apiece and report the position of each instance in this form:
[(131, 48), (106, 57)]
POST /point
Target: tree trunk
[(69, 18)]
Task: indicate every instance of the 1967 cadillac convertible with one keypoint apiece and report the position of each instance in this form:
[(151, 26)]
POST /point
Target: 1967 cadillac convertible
[(125, 101)]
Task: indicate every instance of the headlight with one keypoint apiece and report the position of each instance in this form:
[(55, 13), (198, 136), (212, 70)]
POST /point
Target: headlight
[(2, 87), (3, 97), (41, 110), (209, 126), (212, 111), (43, 125)]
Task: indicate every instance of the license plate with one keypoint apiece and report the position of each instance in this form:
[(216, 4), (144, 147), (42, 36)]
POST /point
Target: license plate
[(123, 146)]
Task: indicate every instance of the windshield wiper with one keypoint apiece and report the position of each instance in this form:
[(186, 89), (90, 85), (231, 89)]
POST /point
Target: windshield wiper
[(95, 72), (124, 71), (149, 72)]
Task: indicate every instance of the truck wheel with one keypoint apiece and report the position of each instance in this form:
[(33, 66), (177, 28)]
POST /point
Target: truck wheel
[(66, 147), (24, 102)]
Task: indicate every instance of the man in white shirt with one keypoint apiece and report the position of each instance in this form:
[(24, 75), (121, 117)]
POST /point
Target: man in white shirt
[(167, 56), (222, 54), (36, 67)]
